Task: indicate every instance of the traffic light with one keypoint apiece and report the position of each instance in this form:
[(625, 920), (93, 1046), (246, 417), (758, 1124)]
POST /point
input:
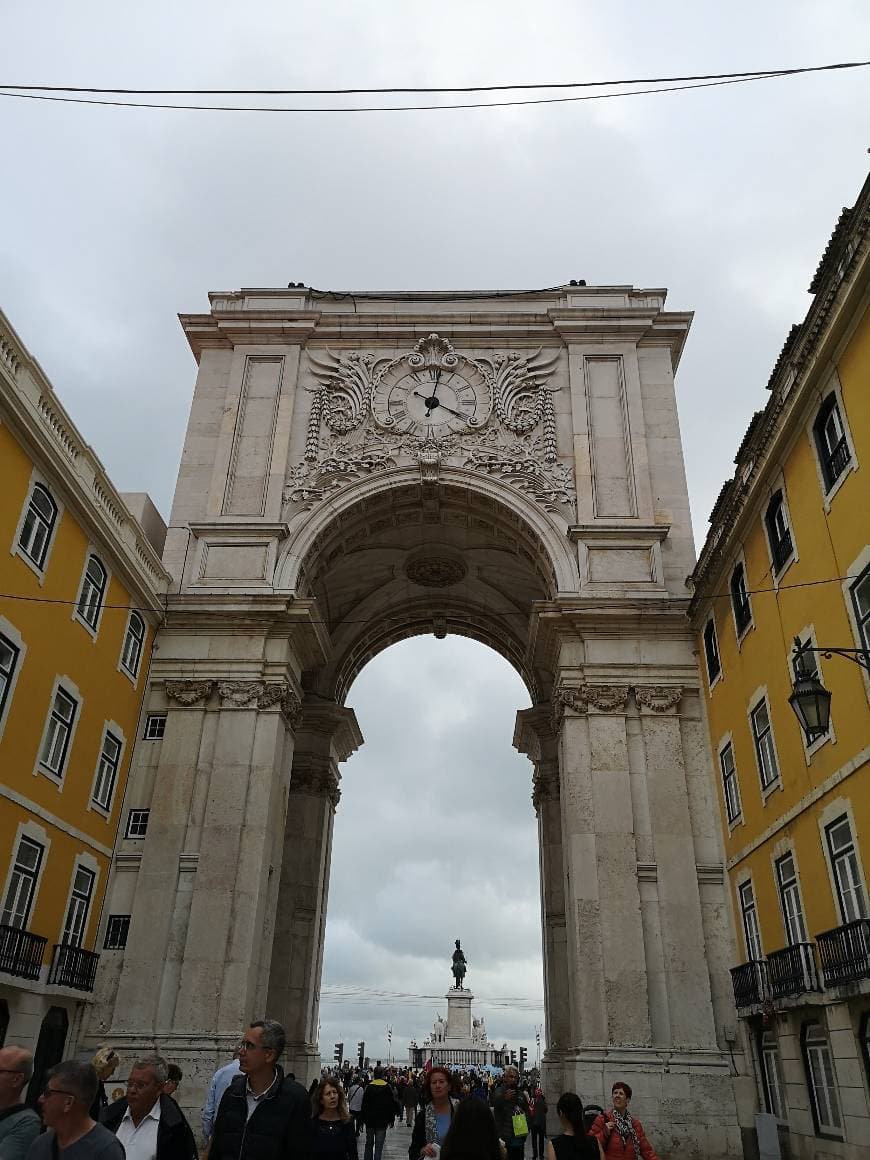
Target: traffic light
[(361, 1052), (338, 1054), (523, 1057), (513, 1058)]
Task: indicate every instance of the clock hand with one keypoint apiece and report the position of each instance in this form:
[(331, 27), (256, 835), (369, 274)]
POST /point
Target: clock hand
[(450, 411)]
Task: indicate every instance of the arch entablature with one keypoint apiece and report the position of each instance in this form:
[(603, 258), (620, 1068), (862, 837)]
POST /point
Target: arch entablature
[(544, 536)]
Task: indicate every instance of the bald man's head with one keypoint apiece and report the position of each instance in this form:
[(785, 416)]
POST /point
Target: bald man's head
[(16, 1068)]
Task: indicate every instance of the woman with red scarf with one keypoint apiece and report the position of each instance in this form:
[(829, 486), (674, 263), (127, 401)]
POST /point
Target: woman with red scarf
[(620, 1134)]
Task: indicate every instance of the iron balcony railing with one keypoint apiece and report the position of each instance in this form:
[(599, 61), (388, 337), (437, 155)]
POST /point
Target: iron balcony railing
[(781, 550), (792, 971), (21, 952), (750, 983), (845, 952), (73, 967), (838, 460)]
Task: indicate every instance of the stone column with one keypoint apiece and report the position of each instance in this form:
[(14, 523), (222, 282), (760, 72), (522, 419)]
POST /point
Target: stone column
[(327, 735)]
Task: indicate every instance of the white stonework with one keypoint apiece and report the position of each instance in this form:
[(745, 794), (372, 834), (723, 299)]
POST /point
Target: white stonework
[(459, 1040), (326, 507)]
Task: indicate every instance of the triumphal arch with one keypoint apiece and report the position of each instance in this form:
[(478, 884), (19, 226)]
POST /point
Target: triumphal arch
[(361, 468)]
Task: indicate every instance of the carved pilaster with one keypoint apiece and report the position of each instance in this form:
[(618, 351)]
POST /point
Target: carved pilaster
[(315, 776), (572, 697), (189, 693), (658, 698)]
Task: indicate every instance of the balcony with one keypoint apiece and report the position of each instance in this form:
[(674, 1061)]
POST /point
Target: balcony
[(845, 952), (781, 550), (792, 971), (73, 967), (21, 952), (750, 983)]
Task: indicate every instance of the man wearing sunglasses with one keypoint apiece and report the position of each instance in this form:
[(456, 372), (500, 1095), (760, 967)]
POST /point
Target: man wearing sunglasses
[(19, 1125), (65, 1104)]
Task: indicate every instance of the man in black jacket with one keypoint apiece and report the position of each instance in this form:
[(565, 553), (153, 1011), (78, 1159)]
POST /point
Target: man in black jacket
[(149, 1124), (263, 1115), (379, 1109)]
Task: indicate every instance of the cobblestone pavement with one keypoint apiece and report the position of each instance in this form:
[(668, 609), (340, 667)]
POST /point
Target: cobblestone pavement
[(396, 1144)]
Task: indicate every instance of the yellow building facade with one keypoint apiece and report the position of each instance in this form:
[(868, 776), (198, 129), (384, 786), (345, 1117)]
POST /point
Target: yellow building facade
[(788, 557), (80, 600)]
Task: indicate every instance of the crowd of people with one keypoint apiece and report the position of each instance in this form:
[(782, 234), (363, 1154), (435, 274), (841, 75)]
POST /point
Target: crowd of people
[(254, 1111)]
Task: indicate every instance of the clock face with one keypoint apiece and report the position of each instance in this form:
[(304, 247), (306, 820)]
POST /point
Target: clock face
[(430, 402)]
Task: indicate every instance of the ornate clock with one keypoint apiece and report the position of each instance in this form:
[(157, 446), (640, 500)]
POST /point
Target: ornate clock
[(427, 395)]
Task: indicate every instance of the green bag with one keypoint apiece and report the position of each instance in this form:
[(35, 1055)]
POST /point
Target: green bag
[(520, 1125)]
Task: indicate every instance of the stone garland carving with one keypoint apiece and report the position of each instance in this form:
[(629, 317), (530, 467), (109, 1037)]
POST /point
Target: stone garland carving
[(659, 698), (239, 694), (291, 709), (189, 693), (522, 399), (315, 778)]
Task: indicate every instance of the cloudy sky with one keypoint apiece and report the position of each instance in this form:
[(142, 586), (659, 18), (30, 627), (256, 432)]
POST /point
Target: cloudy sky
[(114, 220)]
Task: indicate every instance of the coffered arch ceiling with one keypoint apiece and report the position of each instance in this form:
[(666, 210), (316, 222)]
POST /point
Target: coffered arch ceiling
[(418, 559)]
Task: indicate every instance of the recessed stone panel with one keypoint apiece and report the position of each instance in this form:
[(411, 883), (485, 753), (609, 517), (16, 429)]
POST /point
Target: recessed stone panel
[(619, 565)]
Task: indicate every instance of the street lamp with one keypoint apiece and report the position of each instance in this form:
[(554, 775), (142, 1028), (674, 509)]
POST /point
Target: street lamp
[(809, 699)]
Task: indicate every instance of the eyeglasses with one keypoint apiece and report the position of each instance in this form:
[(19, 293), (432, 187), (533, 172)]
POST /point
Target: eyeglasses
[(139, 1085), (50, 1091), (246, 1045)]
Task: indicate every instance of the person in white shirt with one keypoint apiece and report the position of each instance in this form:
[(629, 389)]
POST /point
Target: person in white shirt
[(150, 1124), (220, 1081)]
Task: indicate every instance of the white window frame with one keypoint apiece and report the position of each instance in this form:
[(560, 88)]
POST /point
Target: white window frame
[(791, 903), (712, 682), (71, 690), (740, 562), (87, 862), (832, 387), (139, 810), (727, 745), (773, 1088), (760, 696), (835, 858), (130, 674), (819, 1062), (92, 628), (777, 573), (8, 630), (853, 574), (752, 936), (35, 833), (37, 479), (110, 729), (149, 717)]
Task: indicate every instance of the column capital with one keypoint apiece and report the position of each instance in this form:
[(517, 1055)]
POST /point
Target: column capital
[(188, 693), (545, 783), (317, 775), (658, 698)]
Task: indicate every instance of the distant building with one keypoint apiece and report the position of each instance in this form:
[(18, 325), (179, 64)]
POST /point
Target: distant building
[(80, 599), (787, 558)]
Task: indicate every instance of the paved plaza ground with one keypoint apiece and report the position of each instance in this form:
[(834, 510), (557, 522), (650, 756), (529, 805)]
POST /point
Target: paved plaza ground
[(396, 1144)]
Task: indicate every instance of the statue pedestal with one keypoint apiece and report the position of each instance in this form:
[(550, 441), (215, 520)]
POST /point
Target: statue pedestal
[(459, 1013)]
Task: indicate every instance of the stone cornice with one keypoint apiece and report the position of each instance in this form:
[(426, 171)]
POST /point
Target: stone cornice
[(37, 416)]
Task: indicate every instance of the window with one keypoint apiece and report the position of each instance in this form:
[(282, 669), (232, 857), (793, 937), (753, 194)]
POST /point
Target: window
[(751, 933), (134, 638), (9, 654), (137, 823), (93, 592), (38, 525), (55, 747), (107, 770), (778, 531), (765, 753), (740, 599), (861, 602), (117, 929), (847, 875), (155, 726), (22, 884), (771, 1075), (730, 788), (820, 1080), (790, 900), (711, 651), (832, 446), (79, 906)]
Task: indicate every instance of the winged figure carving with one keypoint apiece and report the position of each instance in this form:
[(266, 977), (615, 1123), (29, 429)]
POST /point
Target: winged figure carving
[(342, 393)]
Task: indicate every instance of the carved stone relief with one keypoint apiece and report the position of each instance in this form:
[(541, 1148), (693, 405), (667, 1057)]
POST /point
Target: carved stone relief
[(189, 693), (318, 778), (356, 430), (658, 698)]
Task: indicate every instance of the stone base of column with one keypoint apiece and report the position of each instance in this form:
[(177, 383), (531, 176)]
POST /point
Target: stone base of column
[(685, 1100), (303, 1060)]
